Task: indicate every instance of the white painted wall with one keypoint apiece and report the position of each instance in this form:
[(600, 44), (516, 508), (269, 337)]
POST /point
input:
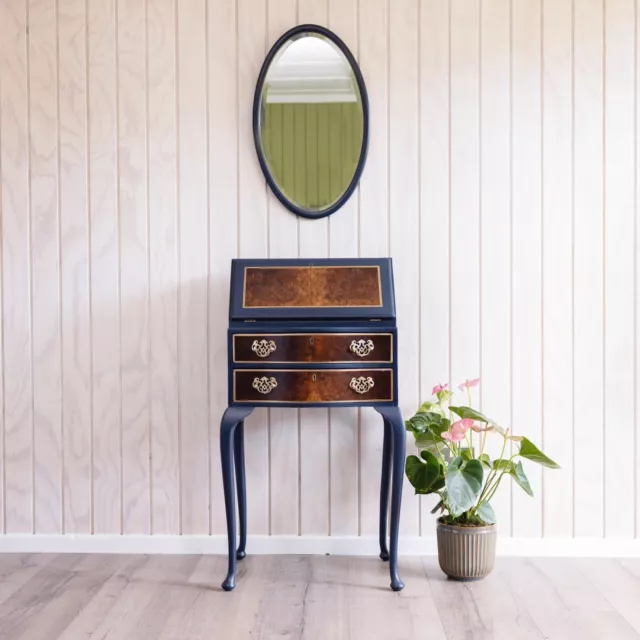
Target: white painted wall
[(502, 177)]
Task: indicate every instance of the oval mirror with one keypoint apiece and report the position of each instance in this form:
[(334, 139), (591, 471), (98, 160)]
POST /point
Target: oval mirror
[(310, 121)]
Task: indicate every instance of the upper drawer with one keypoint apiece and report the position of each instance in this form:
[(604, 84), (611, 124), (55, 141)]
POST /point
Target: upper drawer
[(311, 289), (318, 347)]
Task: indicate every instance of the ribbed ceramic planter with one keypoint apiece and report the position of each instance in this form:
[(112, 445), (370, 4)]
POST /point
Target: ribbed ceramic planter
[(466, 553)]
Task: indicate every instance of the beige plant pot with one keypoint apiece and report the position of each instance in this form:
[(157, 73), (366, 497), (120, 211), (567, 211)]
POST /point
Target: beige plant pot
[(466, 553)]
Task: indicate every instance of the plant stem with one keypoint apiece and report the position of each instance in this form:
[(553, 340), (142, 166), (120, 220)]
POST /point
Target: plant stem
[(497, 483), (492, 475)]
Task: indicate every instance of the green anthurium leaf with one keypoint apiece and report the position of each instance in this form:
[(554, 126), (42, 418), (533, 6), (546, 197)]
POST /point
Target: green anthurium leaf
[(422, 475), (466, 453), (438, 484), (529, 451), (468, 412), (503, 464), (438, 507), (486, 513), (463, 482), (518, 474), (431, 407), (486, 460), (419, 423)]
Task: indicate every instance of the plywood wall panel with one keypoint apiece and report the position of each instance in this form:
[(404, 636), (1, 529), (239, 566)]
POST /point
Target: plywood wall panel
[(134, 265), (526, 241), (557, 231), (588, 286), (45, 235), (193, 212), (74, 264), (620, 254), (105, 276), (163, 267), (104, 268), (16, 270), (501, 176)]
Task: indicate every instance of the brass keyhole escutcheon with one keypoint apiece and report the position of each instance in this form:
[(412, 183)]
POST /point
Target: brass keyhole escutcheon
[(314, 377), (312, 341)]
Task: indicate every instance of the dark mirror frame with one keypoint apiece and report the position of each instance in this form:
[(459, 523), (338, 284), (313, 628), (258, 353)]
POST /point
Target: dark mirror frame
[(257, 101)]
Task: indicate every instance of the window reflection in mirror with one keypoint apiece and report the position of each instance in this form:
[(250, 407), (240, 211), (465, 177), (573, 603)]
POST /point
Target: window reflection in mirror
[(311, 122)]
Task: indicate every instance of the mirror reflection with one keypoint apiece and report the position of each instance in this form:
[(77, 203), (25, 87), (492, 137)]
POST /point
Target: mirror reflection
[(311, 122)]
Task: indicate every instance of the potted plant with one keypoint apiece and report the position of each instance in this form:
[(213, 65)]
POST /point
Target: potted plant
[(454, 465)]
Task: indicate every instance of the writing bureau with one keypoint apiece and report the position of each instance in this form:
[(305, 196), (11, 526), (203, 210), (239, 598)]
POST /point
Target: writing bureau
[(312, 333)]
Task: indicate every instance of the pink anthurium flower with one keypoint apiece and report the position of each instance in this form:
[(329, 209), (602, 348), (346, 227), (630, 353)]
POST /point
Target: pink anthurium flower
[(438, 388), (462, 425), (453, 436), (469, 383)]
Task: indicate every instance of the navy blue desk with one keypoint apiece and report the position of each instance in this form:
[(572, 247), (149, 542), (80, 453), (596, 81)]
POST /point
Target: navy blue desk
[(318, 333)]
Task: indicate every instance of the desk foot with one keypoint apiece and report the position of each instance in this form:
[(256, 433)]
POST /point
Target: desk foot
[(229, 583), (384, 556), (397, 584), (241, 554)]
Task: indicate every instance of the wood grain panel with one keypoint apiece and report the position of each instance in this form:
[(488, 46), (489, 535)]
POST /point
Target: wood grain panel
[(16, 270), (404, 180), (284, 424), (588, 190), (619, 262), (105, 277), (134, 265), (223, 217), (526, 243), (47, 372), (344, 242), (163, 267), (308, 385), (557, 232), (74, 239), (253, 223), (495, 230), (373, 237), (434, 208), (193, 198)]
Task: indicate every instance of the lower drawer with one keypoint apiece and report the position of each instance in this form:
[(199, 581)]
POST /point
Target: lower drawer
[(313, 386)]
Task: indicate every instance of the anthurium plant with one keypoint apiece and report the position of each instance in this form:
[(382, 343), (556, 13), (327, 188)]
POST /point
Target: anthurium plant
[(453, 464)]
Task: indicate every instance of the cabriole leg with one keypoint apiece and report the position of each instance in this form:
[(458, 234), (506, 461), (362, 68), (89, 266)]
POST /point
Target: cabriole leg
[(241, 483), (232, 416), (393, 416), (385, 481)]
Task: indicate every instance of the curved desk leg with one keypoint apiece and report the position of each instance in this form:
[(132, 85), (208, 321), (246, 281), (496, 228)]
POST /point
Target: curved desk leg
[(393, 416), (385, 481), (241, 483), (231, 418)]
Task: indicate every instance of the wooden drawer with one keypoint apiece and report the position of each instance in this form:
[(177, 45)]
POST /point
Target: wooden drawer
[(310, 386), (321, 348)]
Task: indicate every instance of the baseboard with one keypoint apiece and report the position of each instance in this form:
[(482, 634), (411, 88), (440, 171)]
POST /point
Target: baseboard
[(312, 545)]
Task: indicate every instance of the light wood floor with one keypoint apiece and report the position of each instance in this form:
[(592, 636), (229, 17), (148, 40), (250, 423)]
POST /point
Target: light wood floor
[(99, 597)]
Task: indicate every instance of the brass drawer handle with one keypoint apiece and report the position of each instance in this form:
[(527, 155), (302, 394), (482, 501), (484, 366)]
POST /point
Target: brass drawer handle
[(264, 385), (361, 385), (361, 348), (263, 348)]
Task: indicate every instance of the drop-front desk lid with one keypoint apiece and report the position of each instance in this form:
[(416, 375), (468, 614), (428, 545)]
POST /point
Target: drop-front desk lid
[(307, 289)]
